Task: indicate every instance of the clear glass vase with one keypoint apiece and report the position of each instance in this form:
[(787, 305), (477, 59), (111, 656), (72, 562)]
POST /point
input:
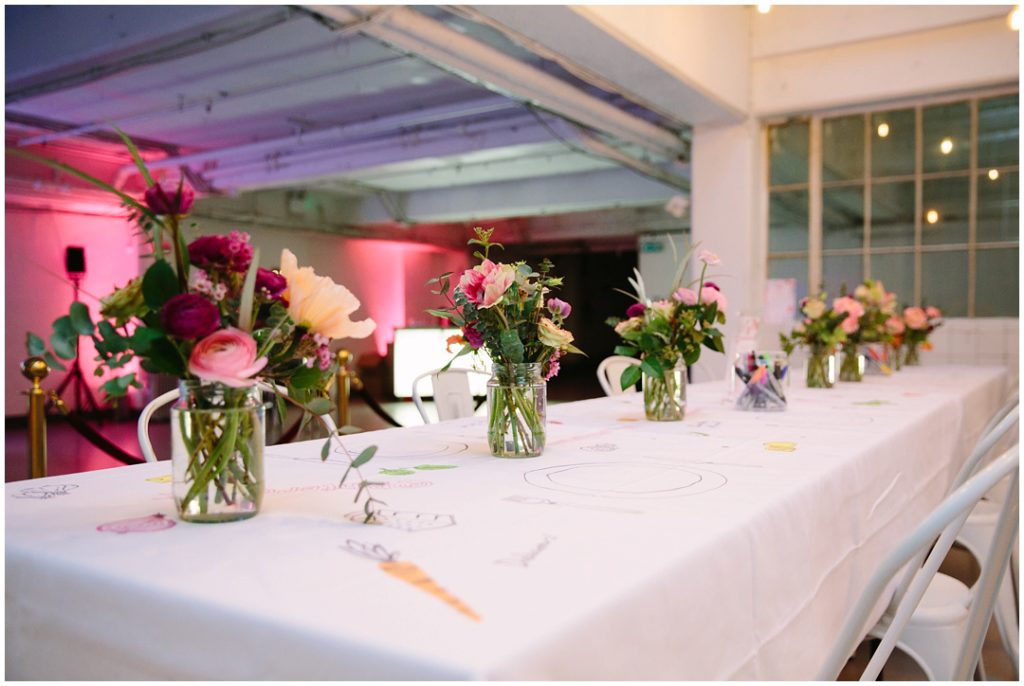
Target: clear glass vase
[(821, 368), (217, 438), (517, 397), (895, 357), (911, 358), (665, 397), (852, 366)]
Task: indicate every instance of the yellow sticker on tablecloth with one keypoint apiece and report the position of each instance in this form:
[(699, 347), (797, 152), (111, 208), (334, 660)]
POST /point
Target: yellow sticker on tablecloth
[(166, 478), (780, 446)]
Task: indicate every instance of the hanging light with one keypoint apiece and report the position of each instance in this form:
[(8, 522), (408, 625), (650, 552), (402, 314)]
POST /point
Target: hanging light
[(883, 130), (946, 146), (1013, 18), (764, 7), (932, 217), (993, 174)]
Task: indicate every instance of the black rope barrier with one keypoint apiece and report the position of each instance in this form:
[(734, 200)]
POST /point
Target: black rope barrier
[(375, 406), (90, 434)]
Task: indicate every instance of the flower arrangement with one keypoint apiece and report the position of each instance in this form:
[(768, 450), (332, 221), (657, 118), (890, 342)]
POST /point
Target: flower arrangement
[(822, 331), (206, 313), (506, 309), (918, 323), (665, 333)]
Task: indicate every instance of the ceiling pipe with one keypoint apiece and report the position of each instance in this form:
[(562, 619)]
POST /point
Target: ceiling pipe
[(409, 31)]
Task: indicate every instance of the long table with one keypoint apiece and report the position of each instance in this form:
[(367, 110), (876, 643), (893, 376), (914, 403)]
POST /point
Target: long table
[(726, 546)]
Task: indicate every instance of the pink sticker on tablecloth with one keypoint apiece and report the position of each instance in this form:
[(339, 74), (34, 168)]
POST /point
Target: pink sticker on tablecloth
[(138, 525)]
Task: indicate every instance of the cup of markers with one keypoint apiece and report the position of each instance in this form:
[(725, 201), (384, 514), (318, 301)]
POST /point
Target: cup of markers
[(763, 377)]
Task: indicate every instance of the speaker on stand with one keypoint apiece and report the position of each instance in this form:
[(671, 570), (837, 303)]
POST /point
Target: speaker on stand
[(74, 265)]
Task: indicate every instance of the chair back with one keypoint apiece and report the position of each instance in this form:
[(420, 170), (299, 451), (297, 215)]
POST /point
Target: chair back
[(609, 372), (945, 523), (452, 395)]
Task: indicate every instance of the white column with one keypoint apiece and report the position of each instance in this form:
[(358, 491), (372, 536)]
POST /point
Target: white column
[(729, 217)]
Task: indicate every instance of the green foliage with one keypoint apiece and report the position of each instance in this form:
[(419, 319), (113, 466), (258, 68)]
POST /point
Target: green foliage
[(159, 284), (34, 344)]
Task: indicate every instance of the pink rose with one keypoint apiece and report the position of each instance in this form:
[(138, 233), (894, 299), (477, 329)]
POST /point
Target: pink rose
[(485, 283), (710, 294), (854, 311), (472, 281), (894, 325), (915, 318), (227, 356), (685, 296), (933, 312)]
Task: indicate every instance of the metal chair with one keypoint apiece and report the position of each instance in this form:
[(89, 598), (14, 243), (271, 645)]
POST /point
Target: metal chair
[(960, 619), (610, 371), (452, 395), (170, 396)]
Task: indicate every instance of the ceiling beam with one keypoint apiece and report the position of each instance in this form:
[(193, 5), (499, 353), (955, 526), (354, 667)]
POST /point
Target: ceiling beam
[(521, 198), (409, 31)]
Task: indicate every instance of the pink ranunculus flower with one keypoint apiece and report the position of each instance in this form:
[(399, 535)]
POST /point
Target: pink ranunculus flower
[(227, 356), (685, 295), (933, 312), (708, 257), (915, 318), (854, 311), (895, 325), (710, 294)]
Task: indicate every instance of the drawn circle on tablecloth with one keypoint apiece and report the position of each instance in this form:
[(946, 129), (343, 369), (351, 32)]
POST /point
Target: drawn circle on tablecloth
[(626, 479)]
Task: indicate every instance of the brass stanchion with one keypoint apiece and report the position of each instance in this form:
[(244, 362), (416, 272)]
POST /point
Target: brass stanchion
[(36, 369), (345, 381)]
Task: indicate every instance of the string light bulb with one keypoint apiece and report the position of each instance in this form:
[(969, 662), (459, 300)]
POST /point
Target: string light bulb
[(1013, 18), (932, 217), (946, 146), (883, 130), (993, 174), (764, 7)]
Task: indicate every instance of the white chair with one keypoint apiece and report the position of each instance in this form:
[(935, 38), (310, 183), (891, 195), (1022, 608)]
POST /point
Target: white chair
[(170, 396), (610, 371), (452, 395), (958, 620)]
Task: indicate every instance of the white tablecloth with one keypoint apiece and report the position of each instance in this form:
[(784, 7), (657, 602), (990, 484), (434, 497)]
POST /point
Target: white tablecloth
[(729, 545)]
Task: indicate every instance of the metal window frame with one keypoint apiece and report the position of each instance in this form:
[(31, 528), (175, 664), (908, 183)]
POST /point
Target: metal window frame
[(815, 185)]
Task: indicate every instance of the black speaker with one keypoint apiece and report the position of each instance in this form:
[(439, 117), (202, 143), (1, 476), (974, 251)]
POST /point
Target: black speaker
[(74, 260)]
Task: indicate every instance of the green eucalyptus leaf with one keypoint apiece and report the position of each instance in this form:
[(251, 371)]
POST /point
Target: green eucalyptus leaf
[(64, 347), (511, 346), (305, 377), (80, 319), (319, 406), (63, 327), (34, 344), (365, 456), (325, 451), (52, 361)]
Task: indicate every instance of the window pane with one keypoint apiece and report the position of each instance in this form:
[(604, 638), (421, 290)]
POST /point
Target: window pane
[(998, 207), (788, 149), (787, 230), (842, 270), (892, 214), (896, 271), (997, 131), (842, 148), (996, 293), (790, 268), (843, 217), (892, 143), (944, 213), (944, 281), (947, 130)]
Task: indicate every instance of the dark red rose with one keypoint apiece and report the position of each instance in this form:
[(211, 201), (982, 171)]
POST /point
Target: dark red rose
[(635, 310), (271, 282), (232, 253), (472, 336), (170, 201), (189, 316)]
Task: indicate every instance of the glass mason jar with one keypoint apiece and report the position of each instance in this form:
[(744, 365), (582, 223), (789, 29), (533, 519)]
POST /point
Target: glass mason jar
[(911, 358), (852, 366), (821, 368), (517, 397), (895, 356), (217, 438), (665, 397)]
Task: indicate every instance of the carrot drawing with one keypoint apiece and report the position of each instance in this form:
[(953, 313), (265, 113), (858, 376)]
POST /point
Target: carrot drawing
[(410, 573)]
